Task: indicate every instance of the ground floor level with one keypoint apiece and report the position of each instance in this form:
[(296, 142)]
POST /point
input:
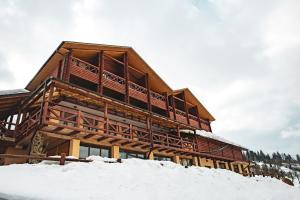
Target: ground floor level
[(51, 145)]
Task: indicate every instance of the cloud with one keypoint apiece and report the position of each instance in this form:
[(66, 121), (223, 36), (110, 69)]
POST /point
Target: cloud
[(240, 58), (291, 132)]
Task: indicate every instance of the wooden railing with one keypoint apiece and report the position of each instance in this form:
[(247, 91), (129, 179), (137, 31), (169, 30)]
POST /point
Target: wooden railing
[(180, 116), (29, 123), (158, 100), (113, 81), (117, 83), (194, 121), (85, 65), (74, 119), (137, 91), (84, 70), (7, 128)]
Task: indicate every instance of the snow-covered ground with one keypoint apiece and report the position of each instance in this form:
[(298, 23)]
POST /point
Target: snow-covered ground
[(135, 179)]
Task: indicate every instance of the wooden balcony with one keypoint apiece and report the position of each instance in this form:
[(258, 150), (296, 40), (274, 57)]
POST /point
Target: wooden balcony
[(181, 116), (71, 121), (138, 92), (194, 121), (113, 82), (205, 125), (158, 100), (84, 70)]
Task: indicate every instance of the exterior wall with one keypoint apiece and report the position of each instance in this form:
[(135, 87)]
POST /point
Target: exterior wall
[(15, 151), (63, 148), (205, 162)]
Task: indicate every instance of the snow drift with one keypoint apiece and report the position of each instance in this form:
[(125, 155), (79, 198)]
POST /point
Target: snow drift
[(135, 179)]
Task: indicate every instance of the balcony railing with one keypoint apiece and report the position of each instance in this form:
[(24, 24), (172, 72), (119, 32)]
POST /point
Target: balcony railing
[(87, 123), (137, 91), (117, 83), (84, 70), (113, 81), (194, 120), (158, 100), (180, 116)]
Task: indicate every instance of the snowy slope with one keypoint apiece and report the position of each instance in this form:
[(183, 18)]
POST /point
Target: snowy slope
[(135, 179)]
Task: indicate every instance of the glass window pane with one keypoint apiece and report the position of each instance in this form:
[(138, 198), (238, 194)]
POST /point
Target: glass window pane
[(83, 152), (123, 155), (104, 153), (94, 151)]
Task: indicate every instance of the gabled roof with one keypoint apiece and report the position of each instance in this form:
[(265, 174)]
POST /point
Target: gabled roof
[(191, 98), (9, 100), (135, 60)]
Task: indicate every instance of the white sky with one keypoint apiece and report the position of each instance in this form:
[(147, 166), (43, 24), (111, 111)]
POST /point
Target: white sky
[(240, 58)]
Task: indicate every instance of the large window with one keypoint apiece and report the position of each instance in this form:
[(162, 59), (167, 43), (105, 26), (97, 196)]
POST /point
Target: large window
[(186, 162), (222, 165), (86, 151), (162, 158), (126, 154)]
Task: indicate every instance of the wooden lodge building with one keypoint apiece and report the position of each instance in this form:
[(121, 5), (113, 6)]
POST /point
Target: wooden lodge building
[(91, 99)]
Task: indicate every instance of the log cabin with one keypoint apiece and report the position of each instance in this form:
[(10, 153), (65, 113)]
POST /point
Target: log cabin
[(93, 99)]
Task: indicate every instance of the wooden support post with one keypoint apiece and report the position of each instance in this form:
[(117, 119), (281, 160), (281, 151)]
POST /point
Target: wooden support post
[(176, 159), (148, 92), (126, 75), (173, 106), (167, 105), (74, 148), (115, 152), (186, 108), (229, 166), (106, 118), (149, 127), (67, 66), (199, 121), (195, 161), (215, 163), (178, 130), (150, 155), (101, 67)]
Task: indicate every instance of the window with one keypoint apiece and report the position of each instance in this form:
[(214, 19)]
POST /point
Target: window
[(125, 155), (222, 165), (236, 168), (162, 158), (186, 162), (83, 152), (86, 151)]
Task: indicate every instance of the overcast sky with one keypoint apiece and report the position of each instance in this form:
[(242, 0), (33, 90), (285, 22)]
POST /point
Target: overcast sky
[(240, 58)]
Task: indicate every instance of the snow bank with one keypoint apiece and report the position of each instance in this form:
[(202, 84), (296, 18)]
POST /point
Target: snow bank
[(135, 179)]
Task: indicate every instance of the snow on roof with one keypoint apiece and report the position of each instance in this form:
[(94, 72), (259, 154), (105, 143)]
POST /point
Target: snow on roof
[(213, 137), (216, 137), (11, 92)]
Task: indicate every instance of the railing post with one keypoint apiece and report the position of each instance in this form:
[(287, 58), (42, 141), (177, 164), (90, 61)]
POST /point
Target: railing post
[(125, 60), (106, 117), (101, 67), (173, 106), (79, 119), (199, 121), (148, 92), (186, 108), (167, 104), (67, 66), (130, 131)]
